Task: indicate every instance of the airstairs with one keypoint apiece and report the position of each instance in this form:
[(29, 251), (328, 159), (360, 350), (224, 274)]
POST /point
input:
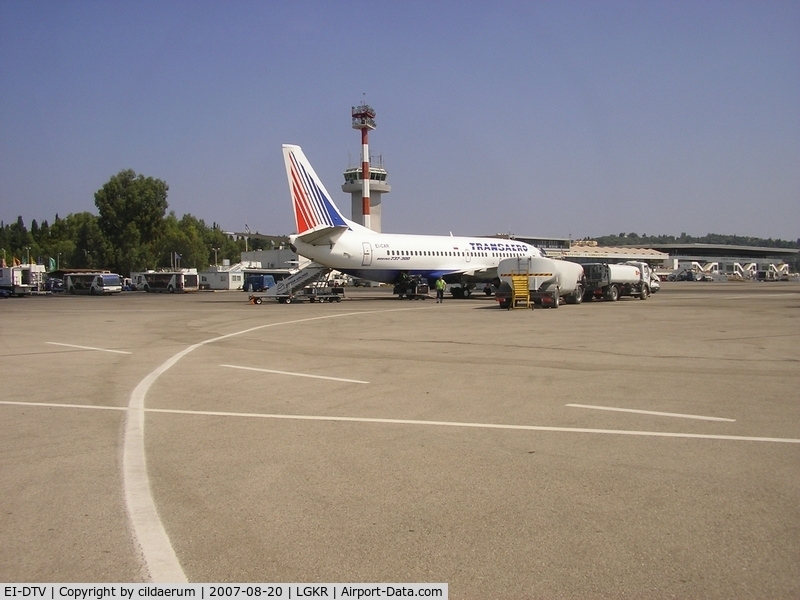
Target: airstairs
[(307, 273)]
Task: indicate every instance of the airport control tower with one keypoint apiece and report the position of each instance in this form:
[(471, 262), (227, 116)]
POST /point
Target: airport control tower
[(367, 183)]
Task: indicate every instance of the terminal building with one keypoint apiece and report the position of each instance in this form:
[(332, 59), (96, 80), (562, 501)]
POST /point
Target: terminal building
[(713, 261), (719, 261), (745, 262)]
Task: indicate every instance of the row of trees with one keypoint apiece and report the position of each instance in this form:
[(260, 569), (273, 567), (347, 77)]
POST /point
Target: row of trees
[(131, 232)]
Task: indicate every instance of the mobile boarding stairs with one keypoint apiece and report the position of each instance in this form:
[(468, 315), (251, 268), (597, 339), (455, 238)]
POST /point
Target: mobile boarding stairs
[(285, 290)]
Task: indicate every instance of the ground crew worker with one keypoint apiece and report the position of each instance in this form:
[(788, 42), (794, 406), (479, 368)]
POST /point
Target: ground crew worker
[(440, 286)]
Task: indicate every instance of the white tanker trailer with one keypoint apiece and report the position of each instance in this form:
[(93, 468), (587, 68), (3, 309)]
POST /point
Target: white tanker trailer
[(610, 281), (547, 280)]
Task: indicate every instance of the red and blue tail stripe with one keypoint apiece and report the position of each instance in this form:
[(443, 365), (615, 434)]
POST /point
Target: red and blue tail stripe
[(313, 205)]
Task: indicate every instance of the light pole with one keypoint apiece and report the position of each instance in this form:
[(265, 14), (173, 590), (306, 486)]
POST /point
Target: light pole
[(215, 256), (58, 262), (28, 248)]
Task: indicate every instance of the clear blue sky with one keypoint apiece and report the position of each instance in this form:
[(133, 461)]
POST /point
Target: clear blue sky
[(559, 118)]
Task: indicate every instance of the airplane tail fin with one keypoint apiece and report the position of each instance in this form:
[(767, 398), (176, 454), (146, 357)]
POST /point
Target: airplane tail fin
[(313, 206)]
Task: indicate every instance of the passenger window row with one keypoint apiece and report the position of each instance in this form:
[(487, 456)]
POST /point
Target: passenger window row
[(450, 253)]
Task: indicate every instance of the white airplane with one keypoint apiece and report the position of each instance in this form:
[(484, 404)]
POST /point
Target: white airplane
[(326, 237)]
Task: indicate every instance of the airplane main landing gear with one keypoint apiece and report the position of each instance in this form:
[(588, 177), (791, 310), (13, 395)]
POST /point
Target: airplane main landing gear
[(461, 292)]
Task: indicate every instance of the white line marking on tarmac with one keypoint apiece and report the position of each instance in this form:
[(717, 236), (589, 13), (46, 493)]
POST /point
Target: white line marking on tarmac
[(748, 296), (294, 374), (88, 348), (146, 526), (59, 405), (739, 297), (651, 412), (210, 413)]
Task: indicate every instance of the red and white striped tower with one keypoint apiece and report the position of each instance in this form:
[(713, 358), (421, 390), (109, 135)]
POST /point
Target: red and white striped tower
[(367, 183), (364, 119)]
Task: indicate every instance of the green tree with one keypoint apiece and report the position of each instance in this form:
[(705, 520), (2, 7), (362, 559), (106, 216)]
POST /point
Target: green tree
[(61, 244), (186, 238), (132, 209), (90, 248), (20, 240), (226, 247)]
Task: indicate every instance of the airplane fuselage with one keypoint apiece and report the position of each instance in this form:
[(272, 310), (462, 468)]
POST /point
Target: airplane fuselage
[(388, 257)]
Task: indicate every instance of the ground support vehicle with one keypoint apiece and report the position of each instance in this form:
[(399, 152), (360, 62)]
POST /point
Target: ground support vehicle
[(22, 280), (766, 276), (11, 281), (54, 285), (258, 283), (414, 288), (652, 280), (548, 281), (184, 280), (96, 284), (313, 295), (321, 293), (285, 290), (282, 299), (685, 275), (655, 283), (612, 281)]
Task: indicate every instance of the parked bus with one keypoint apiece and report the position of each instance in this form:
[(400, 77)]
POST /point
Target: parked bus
[(166, 281), (92, 283)]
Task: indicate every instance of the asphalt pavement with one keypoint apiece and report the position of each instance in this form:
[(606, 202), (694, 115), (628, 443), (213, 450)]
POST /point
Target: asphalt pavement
[(638, 449)]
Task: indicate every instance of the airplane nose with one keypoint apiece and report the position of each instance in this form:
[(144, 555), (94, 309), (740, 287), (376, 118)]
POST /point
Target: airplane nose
[(293, 247)]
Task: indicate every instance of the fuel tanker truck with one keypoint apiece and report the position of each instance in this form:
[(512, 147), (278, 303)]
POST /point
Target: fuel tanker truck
[(611, 281), (541, 280)]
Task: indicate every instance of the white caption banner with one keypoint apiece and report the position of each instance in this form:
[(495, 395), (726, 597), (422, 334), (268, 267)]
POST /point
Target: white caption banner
[(221, 591)]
